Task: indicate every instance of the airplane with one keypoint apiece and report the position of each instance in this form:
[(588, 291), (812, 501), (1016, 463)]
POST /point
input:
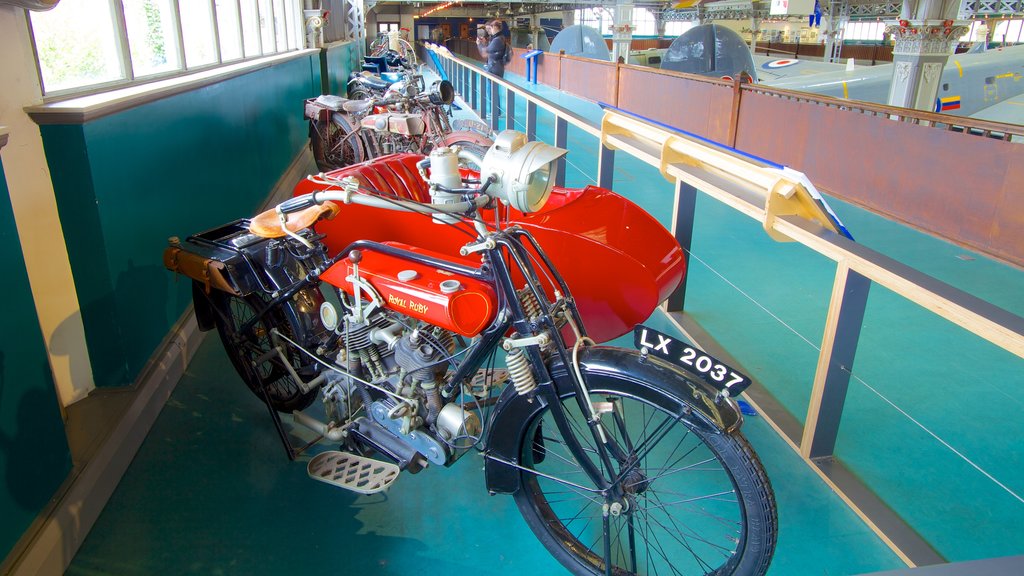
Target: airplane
[(971, 82)]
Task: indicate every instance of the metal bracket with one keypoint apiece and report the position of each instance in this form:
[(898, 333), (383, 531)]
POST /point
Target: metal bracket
[(541, 339)]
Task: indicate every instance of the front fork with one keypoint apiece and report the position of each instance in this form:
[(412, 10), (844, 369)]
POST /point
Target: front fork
[(609, 451)]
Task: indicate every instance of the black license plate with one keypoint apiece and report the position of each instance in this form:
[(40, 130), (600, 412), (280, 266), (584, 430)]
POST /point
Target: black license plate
[(707, 367)]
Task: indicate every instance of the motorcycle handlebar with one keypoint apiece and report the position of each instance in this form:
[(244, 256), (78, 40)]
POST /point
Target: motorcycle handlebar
[(346, 197), (297, 204)]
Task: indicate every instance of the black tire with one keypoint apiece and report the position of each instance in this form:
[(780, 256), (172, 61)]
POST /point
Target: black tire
[(699, 501), (358, 93), (245, 349), (334, 144)]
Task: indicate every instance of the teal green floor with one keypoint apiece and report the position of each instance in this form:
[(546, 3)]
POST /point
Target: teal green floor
[(211, 492)]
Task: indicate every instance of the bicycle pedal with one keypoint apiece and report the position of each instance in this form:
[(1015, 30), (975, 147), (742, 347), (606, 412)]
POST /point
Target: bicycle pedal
[(352, 472)]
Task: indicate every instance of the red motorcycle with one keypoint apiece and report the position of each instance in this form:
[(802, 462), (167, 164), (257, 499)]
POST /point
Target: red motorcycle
[(436, 309)]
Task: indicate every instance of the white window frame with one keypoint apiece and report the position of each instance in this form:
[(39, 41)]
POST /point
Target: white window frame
[(293, 42)]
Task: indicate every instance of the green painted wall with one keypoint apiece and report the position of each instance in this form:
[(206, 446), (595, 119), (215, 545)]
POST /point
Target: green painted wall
[(34, 455), (339, 62), (126, 182)]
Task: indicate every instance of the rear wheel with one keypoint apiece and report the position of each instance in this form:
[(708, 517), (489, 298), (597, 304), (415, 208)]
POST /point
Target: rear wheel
[(334, 144), (691, 499), (248, 350)]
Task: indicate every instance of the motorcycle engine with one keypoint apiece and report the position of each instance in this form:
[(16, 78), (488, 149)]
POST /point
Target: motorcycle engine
[(406, 367)]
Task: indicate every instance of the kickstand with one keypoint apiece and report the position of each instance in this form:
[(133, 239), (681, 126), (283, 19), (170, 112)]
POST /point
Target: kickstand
[(289, 448)]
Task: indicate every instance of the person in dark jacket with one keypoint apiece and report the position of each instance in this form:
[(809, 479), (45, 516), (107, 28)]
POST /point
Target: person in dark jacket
[(493, 47)]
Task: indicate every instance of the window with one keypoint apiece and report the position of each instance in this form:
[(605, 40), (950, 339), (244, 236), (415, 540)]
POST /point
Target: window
[(76, 46), (385, 27), (644, 23), (197, 33), (1007, 32), (229, 28), (674, 28), (89, 45), (864, 30), (599, 19)]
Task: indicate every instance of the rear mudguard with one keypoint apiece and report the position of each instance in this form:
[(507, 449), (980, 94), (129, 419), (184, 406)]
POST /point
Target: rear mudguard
[(602, 367), (467, 136), (205, 314)]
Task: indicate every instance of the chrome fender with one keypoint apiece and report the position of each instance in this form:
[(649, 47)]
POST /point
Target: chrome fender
[(602, 367)]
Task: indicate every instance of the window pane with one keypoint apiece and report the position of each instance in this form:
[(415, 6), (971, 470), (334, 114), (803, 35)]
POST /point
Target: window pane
[(280, 26), (197, 32), (266, 26), (293, 33), (250, 28), (227, 27), (152, 37), (76, 44)]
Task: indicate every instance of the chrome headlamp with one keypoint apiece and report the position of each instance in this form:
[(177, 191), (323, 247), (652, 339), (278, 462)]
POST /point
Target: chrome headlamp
[(524, 171)]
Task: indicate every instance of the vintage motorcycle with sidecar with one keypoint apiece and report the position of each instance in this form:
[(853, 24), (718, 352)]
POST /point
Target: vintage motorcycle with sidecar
[(412, 309)]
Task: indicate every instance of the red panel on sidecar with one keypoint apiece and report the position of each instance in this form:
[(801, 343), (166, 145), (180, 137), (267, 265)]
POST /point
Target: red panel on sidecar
[(619, 262)]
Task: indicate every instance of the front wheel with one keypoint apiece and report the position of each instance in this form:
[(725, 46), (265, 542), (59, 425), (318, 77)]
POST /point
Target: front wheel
[(689, 499), (473, 148)]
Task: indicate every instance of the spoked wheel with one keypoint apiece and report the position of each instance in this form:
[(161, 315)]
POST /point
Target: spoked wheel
[(248, 351), (691, 499), (358, 94), (473, 148), (334, 144)]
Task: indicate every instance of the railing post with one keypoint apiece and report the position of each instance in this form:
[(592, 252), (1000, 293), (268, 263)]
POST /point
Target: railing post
[(605, 167), (531, 120), (835, 362), (561, 137), (482, 112), (510, 109), (682, 228), (472, 89), (495, 105)]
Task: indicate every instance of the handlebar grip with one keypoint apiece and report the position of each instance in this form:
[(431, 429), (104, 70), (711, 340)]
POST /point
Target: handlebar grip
[(297, 204)]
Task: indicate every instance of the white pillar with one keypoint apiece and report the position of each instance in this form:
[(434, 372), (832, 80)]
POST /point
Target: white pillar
[(622, 30), (924, 37), (35, 213)]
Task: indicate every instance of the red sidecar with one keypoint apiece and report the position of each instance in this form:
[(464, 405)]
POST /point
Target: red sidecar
[(618, 261)]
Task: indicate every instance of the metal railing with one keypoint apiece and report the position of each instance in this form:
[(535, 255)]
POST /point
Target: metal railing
[(788, 207)]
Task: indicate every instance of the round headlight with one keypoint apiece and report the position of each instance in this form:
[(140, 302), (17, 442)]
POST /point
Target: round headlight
[(442, 92), (524, 171)]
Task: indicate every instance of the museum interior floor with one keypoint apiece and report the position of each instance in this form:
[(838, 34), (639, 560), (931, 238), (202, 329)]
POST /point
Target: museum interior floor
[(211, 492)]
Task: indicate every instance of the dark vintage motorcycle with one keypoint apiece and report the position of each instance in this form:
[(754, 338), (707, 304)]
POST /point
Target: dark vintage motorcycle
[(427, 306), (343, 131)]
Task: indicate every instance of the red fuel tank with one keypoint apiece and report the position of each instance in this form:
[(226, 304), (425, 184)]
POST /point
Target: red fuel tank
[(462, 304)]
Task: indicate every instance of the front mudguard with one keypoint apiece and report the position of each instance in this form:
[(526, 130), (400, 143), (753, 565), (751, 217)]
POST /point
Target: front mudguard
[(603, 368)]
